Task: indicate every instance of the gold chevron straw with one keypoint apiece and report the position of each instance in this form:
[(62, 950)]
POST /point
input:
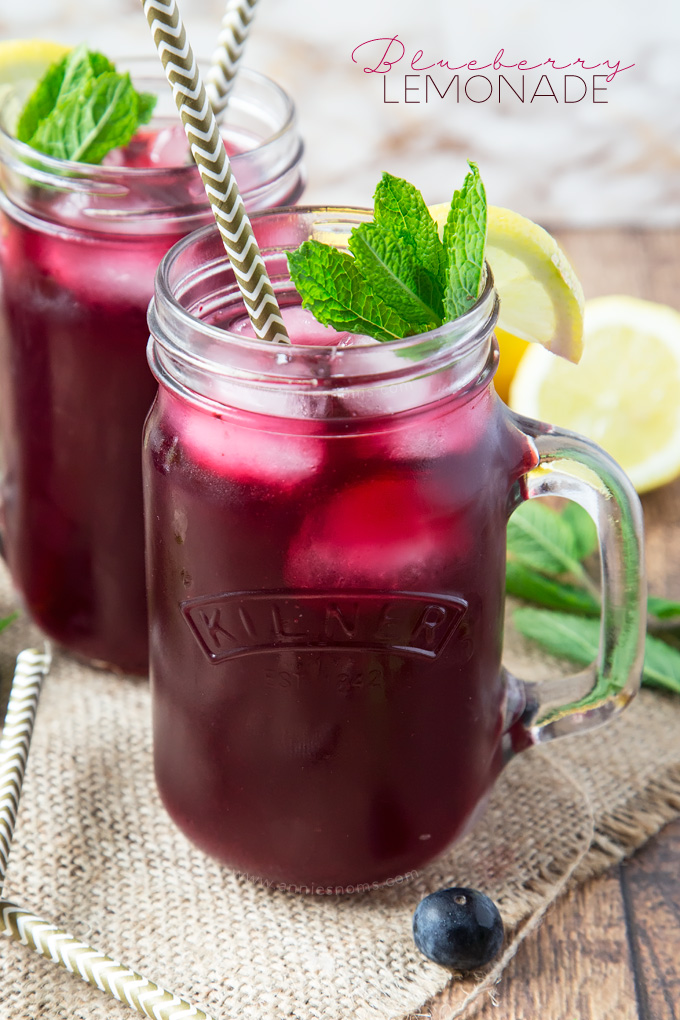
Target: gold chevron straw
[(22, 925), (97, 969), (207, 148), (31, 667), (234, 30)]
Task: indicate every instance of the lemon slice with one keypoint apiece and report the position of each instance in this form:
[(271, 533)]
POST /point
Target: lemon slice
[(541, 297), (22, 63), (624, 392)]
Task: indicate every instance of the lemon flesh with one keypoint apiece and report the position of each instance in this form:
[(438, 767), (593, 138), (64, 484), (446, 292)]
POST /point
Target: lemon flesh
[(22, 63), (541, 299), (625, 392), (512, 350)]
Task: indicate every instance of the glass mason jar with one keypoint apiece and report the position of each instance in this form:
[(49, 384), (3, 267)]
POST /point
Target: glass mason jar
[(326, 541), (79, 247)]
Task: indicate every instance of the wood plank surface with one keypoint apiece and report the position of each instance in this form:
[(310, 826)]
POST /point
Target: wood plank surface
[(650, 884), (641, 263), (610, 950), (577, 966)]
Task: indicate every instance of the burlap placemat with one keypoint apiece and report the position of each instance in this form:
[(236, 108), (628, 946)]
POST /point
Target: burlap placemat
[(95, 853)]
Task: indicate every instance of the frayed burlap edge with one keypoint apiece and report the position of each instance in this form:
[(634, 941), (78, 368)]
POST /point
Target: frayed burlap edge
[(626, 830)]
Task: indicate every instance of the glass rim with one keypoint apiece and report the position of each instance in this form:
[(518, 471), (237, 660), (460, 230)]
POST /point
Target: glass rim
[(70, 170), (464, 325)]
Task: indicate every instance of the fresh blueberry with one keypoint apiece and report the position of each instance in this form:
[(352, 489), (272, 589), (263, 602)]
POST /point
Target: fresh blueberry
[(459, 928)]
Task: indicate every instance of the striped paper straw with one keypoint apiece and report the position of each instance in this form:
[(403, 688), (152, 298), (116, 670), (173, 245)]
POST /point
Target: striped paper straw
[(95, 968), (31, 667), (22, 925), (207, 148), (230, 43)]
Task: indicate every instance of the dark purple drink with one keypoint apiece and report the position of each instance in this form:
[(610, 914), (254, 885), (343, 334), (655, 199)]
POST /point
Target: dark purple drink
[(78, 254), (326, 631)]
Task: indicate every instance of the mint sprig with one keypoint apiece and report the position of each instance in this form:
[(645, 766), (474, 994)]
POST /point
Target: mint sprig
[(82, 108), (547, 565), (464, 240), (398, 278)]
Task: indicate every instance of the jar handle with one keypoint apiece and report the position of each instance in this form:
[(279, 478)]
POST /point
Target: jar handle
[(574, 468)]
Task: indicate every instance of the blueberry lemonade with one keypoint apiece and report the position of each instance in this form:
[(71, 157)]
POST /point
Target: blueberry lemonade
[(97, 184), (325, 527)]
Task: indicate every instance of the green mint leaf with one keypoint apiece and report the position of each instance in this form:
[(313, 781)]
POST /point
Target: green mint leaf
[(663, 609), (577, 638), (400, 209), (464, 240), (389, 264), (111, 119), (92, 121), (78, 70), (662, 665), (99, 63), (582, 528), (146, 104), (568, 637), (42, 101), (60, 82), (82, 108), (541, 540), (334, 291), (528, 584), (6, 620)]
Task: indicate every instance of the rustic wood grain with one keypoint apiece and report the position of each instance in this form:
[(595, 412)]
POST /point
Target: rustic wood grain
[(577, 966), (641, 263), (650, 885)]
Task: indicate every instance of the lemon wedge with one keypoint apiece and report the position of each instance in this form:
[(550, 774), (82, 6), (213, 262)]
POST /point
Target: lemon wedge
[(22, 63), (624, 394), (541, 297)]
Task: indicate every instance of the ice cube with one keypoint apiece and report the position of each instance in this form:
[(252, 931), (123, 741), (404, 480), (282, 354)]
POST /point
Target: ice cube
[(249, 455), (377, 533), (449, 428), (102, 272), (303, 328), (165, 147), (169, 147)]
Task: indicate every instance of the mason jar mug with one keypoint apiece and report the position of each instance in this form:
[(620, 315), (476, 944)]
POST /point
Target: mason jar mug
[(326, 542)]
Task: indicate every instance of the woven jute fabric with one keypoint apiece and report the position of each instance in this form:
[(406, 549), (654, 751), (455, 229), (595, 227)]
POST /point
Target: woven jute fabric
[(95, 853)]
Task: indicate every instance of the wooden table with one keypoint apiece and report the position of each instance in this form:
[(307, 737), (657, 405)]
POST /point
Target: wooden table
[(610, 950)]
